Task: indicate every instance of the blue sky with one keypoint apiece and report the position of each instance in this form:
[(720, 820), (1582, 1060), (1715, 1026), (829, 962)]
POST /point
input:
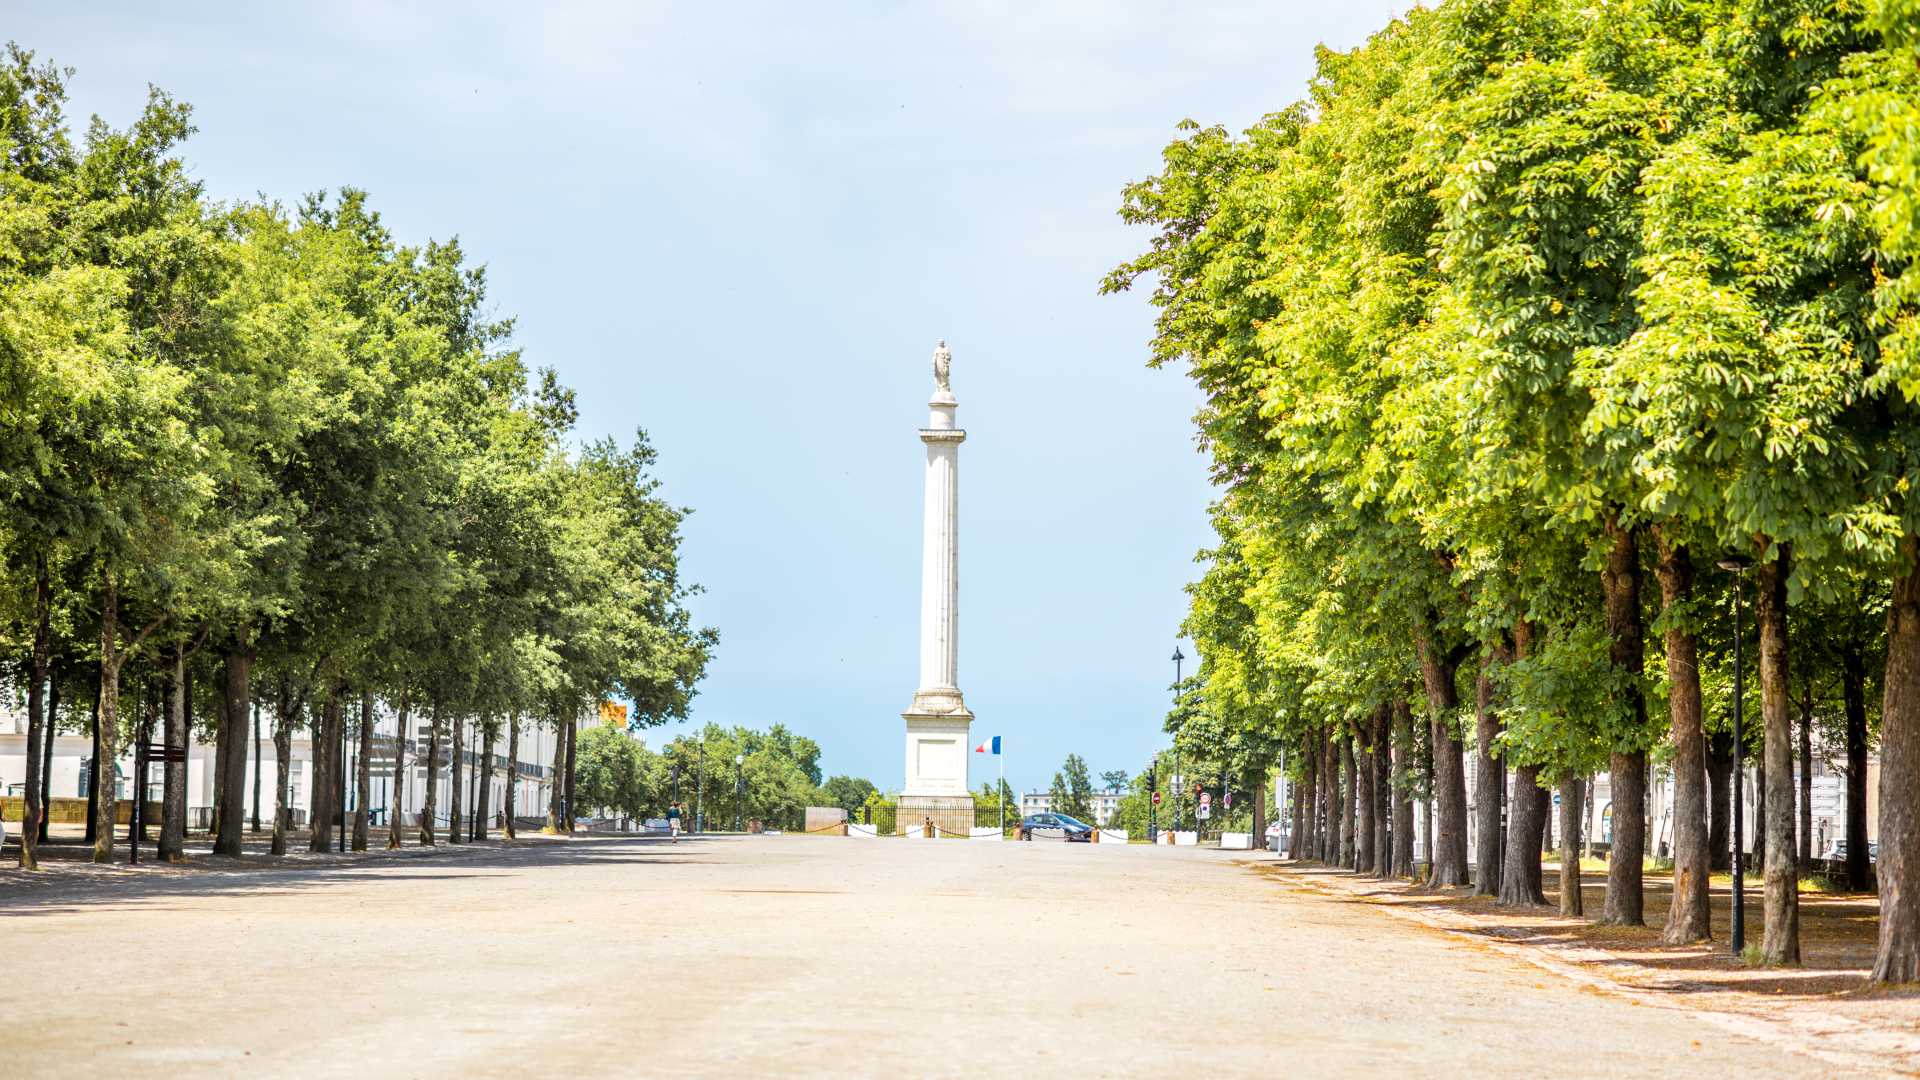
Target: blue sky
[(743, 227)]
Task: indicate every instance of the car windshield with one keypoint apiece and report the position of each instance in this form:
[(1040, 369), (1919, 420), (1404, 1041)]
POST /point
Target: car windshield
[(1069, 822)]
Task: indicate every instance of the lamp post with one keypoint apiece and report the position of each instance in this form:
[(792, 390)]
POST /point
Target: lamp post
[(700, 783), (739, 790), (1179, 796), (1737, 565), (1153, 800)]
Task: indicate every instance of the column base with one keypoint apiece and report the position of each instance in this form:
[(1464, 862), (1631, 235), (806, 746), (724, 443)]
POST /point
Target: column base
[(952, 815)]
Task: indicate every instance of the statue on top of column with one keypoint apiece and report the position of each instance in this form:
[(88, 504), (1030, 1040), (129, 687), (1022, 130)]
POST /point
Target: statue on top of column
[(942, 363)]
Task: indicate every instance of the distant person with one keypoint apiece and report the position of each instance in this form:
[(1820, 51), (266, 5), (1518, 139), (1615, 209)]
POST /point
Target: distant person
[(673, 821)]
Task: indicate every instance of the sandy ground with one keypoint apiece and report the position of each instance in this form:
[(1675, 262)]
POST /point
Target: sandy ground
[(785, 956)]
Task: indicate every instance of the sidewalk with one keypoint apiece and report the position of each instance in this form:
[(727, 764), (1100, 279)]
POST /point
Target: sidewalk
[(1823, 1008)]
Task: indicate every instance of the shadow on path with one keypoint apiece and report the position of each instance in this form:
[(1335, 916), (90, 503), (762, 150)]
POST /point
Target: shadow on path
[(66, 887)]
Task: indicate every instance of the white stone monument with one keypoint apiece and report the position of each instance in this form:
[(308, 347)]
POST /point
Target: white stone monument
[(938, 722)]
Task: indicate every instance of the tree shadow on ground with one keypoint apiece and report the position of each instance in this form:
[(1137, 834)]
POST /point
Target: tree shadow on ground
[(1837, 934), (70, 886)]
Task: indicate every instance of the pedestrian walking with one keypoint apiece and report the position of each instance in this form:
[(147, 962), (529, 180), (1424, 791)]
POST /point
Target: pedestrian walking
[(673, 821)]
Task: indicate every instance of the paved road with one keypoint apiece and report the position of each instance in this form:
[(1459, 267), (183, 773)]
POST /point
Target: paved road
[(789, 955)]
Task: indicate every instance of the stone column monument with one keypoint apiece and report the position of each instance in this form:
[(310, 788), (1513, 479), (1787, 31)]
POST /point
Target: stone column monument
[(938, 721)]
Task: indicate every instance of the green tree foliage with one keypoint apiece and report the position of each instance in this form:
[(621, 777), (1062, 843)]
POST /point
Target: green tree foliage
[(1522, 320), (849, 793), (282, 442)]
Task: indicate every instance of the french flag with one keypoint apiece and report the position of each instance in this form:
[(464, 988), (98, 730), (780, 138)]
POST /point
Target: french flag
[(991, 746)]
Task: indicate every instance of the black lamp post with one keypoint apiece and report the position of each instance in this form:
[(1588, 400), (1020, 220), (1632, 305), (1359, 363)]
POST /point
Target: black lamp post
[(1153, 800), (1737, 565), (1178, 795), (739, 790)]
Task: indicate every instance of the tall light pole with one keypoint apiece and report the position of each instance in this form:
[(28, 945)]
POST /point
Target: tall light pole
[(1737, 565), (739, 790), (700, 783), (1178, 796), (1153, 800)]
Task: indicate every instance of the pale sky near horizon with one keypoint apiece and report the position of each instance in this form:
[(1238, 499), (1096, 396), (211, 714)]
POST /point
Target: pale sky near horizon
[(742, 228)]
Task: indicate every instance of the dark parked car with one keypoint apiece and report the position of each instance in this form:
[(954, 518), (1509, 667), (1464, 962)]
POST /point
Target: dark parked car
[(1055, 827)]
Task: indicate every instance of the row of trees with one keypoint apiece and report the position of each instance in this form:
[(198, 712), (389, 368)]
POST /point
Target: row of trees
[(1526, 322), (727, 775), (253, 454)]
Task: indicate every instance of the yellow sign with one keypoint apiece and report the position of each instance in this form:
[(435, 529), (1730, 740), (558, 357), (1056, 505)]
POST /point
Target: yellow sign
[(613, 714)]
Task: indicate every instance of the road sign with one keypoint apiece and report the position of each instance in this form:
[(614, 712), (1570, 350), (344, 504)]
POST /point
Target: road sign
[(1156, 798), (1206, 811), (1226, 800)]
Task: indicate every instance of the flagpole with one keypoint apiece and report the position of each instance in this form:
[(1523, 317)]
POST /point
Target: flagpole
[(1001, 795)]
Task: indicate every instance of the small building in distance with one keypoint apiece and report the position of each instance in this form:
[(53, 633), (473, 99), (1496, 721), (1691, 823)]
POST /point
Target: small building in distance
[(1104, 803)]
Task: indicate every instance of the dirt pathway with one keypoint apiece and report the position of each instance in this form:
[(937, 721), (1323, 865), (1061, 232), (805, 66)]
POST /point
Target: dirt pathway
[(789, 955)]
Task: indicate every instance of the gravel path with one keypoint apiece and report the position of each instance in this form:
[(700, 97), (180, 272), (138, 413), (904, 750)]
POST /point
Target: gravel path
[(788, 955)]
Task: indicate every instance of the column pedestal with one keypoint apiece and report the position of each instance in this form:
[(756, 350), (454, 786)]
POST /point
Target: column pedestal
[(938, 729)]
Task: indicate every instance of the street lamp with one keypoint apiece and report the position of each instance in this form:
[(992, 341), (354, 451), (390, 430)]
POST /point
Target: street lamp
[(1178, 796), (1738, 565), (739, 789), (1153, 800), (700, 785)]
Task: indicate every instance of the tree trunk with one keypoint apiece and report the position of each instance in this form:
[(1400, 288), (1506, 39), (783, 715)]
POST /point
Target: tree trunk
[(1688, 916), (1382, 865), (1403, 750), (1804, 832), (254, 709), (326, 776), (397, 813), (1447, 848), (1426, 805), (1781, 944), (456, 825), (1572, 810), (1489, 777), (93, 764), (513, 776), (1520, 877), (46, 749), (1297, 821), (1620, 584), (107, 728), (573, 745), (1259, 813), (483, 795), (1853, 682), (222, 750), (1898, 957), (1363, 801), (556, 813), (432, 800), (39, 718), (1345, 795), (1329, 799), (1720, 801), (284, 712), (173, 809), (233, 777), (363, 773)]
